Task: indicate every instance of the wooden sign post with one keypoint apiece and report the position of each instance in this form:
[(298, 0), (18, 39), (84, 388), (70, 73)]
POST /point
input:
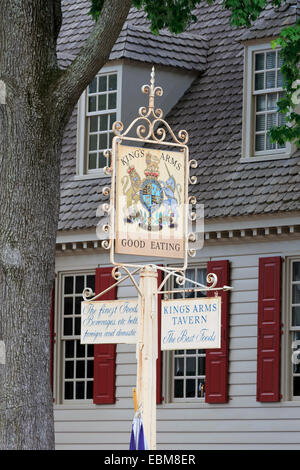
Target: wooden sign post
[(147, 353)]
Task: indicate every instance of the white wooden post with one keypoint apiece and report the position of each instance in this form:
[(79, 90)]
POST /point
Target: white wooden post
[(147, 353)]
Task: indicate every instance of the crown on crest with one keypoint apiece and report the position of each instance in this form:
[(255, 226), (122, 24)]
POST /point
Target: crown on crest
[(152, 166)]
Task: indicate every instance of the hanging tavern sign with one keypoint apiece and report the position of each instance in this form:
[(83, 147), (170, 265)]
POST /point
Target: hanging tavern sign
[(191, 323), (150, 174), (109, 322), (149, 202)]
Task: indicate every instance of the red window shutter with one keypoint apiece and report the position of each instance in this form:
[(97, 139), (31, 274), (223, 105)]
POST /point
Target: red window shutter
[(104, 354), (269, 335), (159, 397), (216, 366)]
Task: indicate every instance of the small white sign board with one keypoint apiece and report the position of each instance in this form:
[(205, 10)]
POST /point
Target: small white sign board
[(108, 322), (191, 323)]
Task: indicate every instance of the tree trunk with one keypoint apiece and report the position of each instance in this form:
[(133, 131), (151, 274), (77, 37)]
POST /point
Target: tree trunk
[(30, 143), (36, 100)]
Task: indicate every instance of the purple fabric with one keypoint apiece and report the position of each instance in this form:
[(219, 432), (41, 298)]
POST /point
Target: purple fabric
[(141, 438), (132, 440)]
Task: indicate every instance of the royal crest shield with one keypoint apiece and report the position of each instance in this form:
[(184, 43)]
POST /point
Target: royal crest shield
[(150, 198)]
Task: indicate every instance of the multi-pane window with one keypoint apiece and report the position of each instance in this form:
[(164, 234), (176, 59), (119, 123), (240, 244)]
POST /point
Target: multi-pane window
[(295, 325), (188, 365), (267, 90), (77, 358), (101, 113)]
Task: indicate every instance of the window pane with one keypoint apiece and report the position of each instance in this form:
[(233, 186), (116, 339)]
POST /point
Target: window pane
[(259, 61), (92, 161), (79, 284), (68, 288), (92, 104), (90, 350), (296, 352), (79, 390), (190, 274), (261, 103), (112, 100), (269, 144), (103, 122), (111, 136), (77, 326), (190, 391), (271, 60), (68, 326), (69, 370), (103, 141), (178, 388), (93, 86), (80, 349), (90, 369), (102, 160), (102, 83), (272, 101), (296, 387), (90, 282), (80, 369), (89, 391), (296, 271), (259, 81), (279, 60), (201, 388), (93, 123), (93, 141), (101, 102), (201, 276), (271, 120), (296, 316), (281, 120), (296, 294), (201, 365), (270, 79), (112, 119), (279, 79), (68, 390), (112, 82), (77, 309), (191, 366), (69, 348), (179, 366), (259, 142), (260, 122), (68, 305)]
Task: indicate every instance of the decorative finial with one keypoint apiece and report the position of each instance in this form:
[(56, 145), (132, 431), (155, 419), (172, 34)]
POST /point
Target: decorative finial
[(152, 78)]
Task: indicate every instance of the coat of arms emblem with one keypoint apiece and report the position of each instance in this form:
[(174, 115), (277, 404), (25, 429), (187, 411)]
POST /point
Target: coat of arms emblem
[(150, 202)]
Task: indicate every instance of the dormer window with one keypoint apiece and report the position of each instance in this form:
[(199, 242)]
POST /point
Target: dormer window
[(263, 88), (267, 91), (99, 108)]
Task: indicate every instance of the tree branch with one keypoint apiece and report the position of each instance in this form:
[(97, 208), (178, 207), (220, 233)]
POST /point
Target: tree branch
[(57, 17), (94, 55)]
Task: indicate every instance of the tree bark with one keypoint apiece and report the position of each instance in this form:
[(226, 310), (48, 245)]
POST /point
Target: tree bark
[(36, 100)]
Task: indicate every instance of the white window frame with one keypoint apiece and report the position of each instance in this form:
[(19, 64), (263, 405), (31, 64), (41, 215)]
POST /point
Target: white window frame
[(248, 151), (81, 152), (59, 359), (168, 361), (289, 330)]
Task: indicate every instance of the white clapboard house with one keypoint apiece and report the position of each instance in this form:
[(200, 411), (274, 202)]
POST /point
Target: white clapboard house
[(221, 84)]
